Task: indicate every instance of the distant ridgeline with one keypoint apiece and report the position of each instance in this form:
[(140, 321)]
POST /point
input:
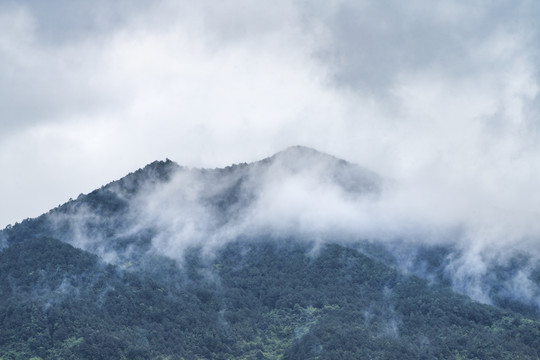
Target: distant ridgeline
[(177, 263)]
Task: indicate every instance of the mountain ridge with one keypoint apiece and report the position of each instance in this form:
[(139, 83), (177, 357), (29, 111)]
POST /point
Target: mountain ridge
[(245, 261)]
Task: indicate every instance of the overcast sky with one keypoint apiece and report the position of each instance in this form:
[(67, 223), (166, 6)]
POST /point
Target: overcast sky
[(439, 95)]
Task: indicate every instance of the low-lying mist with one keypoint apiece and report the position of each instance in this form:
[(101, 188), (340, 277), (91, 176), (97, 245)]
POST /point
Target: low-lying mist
[(305, 195)]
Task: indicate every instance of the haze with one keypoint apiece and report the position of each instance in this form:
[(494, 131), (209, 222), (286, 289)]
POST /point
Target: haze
[(440, 98)]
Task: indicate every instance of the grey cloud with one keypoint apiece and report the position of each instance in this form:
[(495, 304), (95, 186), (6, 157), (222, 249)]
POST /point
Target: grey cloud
[(60, 22), (372, 43), (43, 81)]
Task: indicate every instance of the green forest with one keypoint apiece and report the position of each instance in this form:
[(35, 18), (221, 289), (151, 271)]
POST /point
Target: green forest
[(258, 299)]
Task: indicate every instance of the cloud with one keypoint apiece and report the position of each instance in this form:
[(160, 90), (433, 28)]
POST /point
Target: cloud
[(303, 195), (142, 90), (441, 98)]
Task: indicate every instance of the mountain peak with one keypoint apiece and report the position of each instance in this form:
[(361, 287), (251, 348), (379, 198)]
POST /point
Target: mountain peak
[(301, 151), (306, 161), (302, 157)]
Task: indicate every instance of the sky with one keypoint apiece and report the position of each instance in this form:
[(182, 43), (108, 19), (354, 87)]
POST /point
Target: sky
[(439, 96)]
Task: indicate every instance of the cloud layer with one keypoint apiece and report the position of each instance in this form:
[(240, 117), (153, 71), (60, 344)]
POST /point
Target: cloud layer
[(441, 98)]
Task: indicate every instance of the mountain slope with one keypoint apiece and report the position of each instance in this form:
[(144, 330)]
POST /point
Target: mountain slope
[(253, 261), (260, 300)]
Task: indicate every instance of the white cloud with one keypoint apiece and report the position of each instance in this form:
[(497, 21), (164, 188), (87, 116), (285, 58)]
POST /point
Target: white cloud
[(440, 98)]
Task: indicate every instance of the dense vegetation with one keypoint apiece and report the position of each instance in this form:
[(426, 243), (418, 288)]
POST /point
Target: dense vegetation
[(263, 299)]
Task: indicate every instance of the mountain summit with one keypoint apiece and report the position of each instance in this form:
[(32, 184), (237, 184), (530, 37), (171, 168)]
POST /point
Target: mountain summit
[(302, 156)]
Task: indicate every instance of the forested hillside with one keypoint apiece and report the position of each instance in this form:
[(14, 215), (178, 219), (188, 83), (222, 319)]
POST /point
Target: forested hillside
[(262, 299), (178, 263)]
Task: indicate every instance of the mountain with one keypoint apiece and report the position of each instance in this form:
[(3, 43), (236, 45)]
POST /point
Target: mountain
[(253, 261), (167, 206)]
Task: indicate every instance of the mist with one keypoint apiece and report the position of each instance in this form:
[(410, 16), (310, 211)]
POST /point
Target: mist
[(442, 98), (303, 195), (437, 102)]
